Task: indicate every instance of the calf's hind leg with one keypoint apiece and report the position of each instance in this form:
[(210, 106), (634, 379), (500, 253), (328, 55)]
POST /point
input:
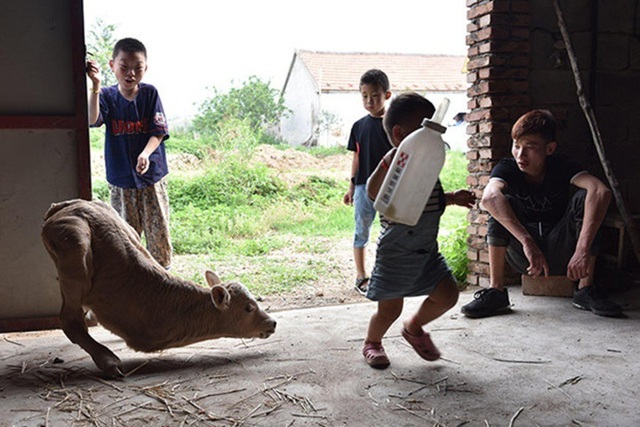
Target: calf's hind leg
[(70, 248)]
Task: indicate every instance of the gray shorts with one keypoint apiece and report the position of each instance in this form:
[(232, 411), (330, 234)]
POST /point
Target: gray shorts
[(556, 241), (408, 262)]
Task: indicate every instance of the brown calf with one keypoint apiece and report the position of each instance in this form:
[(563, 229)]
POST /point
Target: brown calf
[(102, 266)]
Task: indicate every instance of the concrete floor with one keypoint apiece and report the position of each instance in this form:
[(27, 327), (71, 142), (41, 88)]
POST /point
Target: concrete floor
[(546, 364)]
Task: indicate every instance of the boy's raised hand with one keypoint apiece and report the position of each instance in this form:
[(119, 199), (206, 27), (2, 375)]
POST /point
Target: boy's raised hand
[(464, 198), (93, 72)]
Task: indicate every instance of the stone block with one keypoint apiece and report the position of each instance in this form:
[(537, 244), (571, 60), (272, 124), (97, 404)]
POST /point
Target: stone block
[(552, 286)]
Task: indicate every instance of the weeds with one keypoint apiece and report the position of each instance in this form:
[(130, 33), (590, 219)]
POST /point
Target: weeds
[(238, 211)]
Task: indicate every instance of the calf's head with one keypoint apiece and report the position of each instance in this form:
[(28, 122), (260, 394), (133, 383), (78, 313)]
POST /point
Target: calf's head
[(241, 312)]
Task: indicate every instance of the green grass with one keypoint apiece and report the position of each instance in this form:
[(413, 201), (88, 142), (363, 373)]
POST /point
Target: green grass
[(234, 212), (453, 234)]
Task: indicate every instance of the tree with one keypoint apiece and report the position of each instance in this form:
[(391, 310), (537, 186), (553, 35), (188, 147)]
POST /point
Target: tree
[(255, 102), (100, 42)]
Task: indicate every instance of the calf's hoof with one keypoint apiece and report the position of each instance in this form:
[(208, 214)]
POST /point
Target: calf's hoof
[(110, 366), (113, 372)]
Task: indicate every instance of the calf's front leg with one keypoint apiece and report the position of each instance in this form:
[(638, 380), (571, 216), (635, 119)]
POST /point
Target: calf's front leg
[(75, 328)]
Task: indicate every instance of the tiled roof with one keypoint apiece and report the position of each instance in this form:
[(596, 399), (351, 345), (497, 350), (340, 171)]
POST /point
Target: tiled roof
[(407, 72)]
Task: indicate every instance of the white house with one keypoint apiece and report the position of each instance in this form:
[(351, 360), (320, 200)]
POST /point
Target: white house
[(322, 92)]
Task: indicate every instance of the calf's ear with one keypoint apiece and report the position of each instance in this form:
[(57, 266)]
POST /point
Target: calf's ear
[(221, 297), (212, 278)]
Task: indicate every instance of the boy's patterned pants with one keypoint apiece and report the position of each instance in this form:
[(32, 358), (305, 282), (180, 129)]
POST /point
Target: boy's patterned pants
[(147, 210)]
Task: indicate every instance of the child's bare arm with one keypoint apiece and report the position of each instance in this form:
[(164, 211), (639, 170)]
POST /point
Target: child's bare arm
[(377, 177), (143, 159), (464, 198), (93, 72), (355, 164)]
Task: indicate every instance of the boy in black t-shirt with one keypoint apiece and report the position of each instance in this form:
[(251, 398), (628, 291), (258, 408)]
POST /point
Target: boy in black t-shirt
[(536, 224), (369, 144)]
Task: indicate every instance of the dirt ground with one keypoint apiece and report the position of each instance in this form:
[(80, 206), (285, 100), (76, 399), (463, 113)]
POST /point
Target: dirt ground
[(547, 364)]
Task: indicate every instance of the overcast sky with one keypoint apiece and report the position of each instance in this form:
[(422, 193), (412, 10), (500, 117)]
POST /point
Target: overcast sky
[(193, 45)]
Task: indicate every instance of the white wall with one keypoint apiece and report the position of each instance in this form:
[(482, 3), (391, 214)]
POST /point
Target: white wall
[(348, 106), (302, 99), (303, 124)]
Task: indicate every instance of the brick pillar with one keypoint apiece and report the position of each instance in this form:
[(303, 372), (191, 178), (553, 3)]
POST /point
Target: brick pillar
[(498, 71)]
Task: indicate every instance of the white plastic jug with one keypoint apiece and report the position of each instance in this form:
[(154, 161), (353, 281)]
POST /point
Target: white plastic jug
[(414, 171)]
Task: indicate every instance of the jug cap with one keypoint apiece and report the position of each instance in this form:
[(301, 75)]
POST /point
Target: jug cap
[(433, 125)]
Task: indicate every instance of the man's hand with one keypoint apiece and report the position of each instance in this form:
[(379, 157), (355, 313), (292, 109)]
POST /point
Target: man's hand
[(578, 267), (537, 262)]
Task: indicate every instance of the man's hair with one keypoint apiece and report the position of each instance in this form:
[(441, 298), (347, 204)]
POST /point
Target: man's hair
[(407, 109), (375, 77), (129, 45), (535, 122)]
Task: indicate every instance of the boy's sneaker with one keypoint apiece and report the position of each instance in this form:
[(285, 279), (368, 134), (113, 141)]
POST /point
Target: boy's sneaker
[(588, 298), (487, 302)]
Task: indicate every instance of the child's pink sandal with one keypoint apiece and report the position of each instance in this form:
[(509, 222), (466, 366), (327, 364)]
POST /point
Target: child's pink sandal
[(375, 355), (422, 344)]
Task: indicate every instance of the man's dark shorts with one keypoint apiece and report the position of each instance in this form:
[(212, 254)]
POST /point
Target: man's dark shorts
[(557, 242)]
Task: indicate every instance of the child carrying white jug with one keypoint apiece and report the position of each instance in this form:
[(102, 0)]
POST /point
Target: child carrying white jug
[(408, 262)]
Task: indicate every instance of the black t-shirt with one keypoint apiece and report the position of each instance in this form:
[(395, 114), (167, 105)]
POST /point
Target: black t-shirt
[(370, 141), (548, 201)]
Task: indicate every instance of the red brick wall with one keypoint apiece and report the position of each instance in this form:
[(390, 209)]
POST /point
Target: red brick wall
[(498, 72)]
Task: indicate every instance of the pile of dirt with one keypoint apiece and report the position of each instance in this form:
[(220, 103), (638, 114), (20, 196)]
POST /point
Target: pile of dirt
[(291, 164), (294, 166)]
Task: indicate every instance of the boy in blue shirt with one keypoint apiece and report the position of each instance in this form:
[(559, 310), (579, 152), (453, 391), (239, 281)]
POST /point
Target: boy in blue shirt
[(135, 157), (369, 144)]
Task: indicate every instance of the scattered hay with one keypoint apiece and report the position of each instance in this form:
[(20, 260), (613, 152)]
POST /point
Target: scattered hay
[(180, 401)]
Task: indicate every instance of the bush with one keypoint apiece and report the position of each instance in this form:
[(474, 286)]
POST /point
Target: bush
[(453, 246), (454, 173), (100, 190), (315, 190), (232, 184), (255, 102), (184, 143)]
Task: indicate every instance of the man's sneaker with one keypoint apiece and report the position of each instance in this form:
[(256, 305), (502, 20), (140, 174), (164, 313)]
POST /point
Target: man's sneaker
[(588, 298), (487, 302)]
